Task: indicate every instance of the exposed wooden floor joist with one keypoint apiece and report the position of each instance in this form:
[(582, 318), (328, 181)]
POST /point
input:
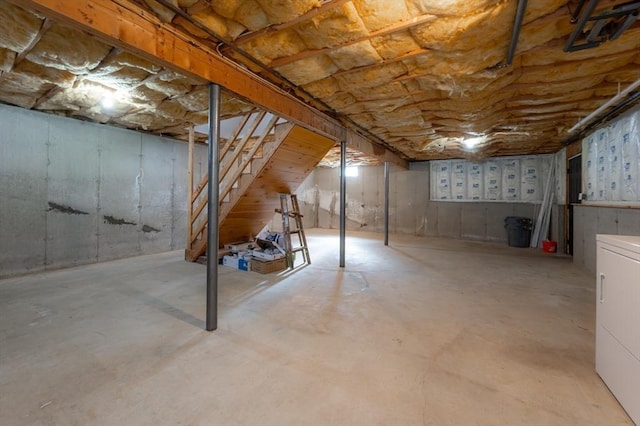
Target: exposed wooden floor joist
[(127, 26)]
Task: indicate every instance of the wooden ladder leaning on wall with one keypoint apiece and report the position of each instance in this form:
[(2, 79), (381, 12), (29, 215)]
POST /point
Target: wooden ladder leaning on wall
[(293, 213)]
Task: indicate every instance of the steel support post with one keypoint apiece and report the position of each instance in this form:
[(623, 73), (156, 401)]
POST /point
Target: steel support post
[(343, 200), (386, 203), (213, 207)]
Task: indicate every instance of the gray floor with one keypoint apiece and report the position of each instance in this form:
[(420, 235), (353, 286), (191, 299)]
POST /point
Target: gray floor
[(425, 332)]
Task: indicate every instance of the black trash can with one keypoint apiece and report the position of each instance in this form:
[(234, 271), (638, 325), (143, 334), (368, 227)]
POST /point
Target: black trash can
[(518, 231)]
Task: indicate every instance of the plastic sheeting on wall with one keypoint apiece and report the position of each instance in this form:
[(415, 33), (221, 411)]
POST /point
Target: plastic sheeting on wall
[(561, 176), (459, 180), (511, 180), (611, 161), (590, 166), (630, 158), (443, 180), (613, 164), (531, 176), (514, 179), (475, 187), (601, 163), (492, 180)]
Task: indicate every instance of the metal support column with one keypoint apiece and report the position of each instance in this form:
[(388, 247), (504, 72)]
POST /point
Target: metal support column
[(212, 207), (386, 203), (343, 200)]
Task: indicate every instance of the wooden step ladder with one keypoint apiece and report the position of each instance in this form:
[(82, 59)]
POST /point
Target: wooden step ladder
[(287, 230)]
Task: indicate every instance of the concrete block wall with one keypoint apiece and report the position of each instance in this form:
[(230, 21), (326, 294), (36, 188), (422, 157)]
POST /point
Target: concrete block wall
[(592, 220), (74, 192), (410, 210), (485, 221)]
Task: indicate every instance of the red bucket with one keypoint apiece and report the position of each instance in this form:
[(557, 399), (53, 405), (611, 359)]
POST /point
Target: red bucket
[(549, 246)]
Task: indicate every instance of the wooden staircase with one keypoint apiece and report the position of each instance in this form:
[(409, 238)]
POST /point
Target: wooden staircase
[(255, 166)]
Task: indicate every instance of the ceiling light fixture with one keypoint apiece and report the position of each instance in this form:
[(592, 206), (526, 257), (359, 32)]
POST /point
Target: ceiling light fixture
[(107, 101), (471, 143)]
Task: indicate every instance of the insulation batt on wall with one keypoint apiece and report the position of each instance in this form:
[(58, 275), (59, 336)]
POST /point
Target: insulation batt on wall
[(512, 179), (611, 161)]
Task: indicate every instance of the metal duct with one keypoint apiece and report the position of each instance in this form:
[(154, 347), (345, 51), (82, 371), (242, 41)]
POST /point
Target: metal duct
[(607, 25)]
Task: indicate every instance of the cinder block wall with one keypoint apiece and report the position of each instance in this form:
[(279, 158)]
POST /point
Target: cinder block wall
[(410, 211), (74, 192)]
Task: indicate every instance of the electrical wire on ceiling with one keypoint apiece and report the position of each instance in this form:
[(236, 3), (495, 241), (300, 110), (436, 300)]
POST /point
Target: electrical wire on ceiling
[(291, 88)]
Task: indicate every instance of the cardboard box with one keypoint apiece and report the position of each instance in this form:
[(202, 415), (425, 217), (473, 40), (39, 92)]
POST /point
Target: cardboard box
[(267, 256), (237, 262), (239, 246), (268, 266)]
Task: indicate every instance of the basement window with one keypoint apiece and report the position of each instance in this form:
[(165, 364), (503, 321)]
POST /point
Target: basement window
[(351, 171)]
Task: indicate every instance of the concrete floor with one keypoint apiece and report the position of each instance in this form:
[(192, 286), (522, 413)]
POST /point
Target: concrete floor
[(424, 332)]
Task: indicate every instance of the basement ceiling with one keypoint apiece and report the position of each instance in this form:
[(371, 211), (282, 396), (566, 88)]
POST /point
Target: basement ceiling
[(418, 77)]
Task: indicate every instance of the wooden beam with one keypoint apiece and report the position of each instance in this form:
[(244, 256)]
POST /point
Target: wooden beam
[(398, 58), (50, 94), (130, 27), (418, 20), (199, 7), (46, 24), (362, 144), (327, 5)]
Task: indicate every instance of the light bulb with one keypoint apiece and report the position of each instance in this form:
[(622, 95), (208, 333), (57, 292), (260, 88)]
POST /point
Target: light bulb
[(107, 102), (472, 142)]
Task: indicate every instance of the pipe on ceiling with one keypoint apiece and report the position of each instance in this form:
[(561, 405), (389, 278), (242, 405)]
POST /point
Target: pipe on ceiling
[(629, 20), (577, 31), (517, 26), (292, 88), (612, 113), (606, 105), (576, 13)]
